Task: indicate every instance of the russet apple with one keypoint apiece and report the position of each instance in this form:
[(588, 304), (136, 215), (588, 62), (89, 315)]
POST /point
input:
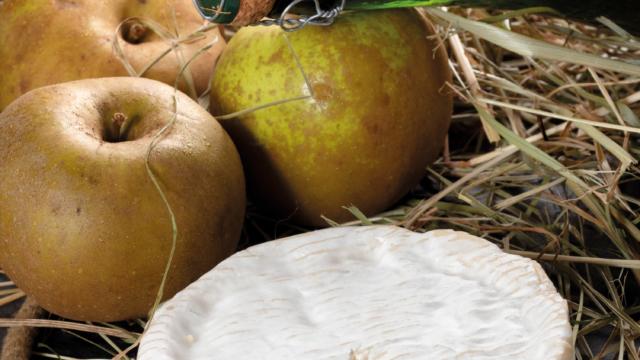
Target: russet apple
[(376, 114), (44, 42), (82, 227)]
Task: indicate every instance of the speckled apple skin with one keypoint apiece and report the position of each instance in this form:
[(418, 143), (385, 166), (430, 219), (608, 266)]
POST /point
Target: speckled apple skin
[(82, 228), (45, 42), (377, 113)]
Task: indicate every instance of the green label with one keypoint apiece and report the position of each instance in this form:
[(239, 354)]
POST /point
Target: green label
[(218, 11)]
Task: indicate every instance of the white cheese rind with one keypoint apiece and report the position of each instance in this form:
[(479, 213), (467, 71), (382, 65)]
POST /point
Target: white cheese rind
[(376, 292)]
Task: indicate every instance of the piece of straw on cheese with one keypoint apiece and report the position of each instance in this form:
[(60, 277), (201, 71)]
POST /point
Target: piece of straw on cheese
[(374, 292)]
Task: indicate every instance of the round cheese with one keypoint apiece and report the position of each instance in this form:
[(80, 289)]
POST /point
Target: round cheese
[(374, 292)]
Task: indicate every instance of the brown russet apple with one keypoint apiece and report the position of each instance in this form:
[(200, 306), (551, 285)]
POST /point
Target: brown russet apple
[(44, 42), (82, 227), (353, 112)]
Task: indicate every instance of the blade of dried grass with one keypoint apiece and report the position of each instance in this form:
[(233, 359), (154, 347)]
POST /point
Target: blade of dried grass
[(6, 283), (467, 72), (93, 343), (113, 345), (388, 217), (10, 291), (527, 46), (509, 148), (633, 230), (606, 95), (625, 264), (630, 347), (625, 158), (591, 84), (531, 150), (186, 75), (595, 325), (628, 115), (17, 295), (425, 205), (576, 326), (620, 314), (333, 223), (510, 86), (54, 356), (517, 13), (615, 27), (616, 150), (243, 112), (589, 314), (119, 52), (60, 324), (362, 218), (576, 184), (561, 117), (511, 201)]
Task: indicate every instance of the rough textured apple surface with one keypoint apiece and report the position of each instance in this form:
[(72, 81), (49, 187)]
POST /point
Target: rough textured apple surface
[(82, 228), (376, 116), (378, 292), (44, 42)]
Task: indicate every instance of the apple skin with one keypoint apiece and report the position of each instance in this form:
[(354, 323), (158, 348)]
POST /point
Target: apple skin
[(82, 228), (378, 116), (44, 42)]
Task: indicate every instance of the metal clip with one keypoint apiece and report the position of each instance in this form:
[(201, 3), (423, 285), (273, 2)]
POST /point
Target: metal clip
[(320, 18)]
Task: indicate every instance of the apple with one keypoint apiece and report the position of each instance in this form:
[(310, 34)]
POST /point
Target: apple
[(376, 114), (82, 227), (44, 42)]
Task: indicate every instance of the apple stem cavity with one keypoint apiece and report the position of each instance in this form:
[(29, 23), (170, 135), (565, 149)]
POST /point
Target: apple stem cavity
[(134, 32)]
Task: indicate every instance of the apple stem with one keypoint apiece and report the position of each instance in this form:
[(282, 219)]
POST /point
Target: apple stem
[(118, 119)]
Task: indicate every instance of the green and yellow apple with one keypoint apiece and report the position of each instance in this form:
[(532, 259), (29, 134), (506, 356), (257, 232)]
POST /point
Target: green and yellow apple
[(82, 227), (44, 42), (374, 111)]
